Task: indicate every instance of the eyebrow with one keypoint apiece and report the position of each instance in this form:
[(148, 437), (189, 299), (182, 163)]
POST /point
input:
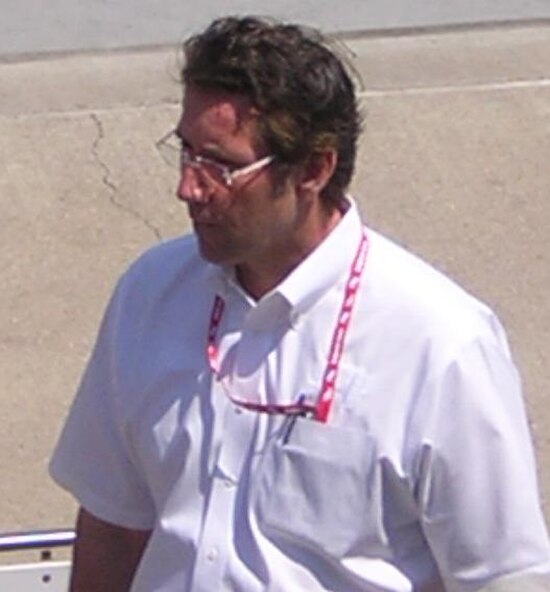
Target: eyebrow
[(211, 152)]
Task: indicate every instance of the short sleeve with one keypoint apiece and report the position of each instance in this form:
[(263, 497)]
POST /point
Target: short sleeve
[(92, 458), (477, 489)]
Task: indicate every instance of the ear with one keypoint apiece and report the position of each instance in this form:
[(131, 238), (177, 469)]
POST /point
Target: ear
[(316, 172)]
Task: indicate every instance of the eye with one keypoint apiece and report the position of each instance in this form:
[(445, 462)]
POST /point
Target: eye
[(186, 152), (213, 169), (220, 162), (183, 144)]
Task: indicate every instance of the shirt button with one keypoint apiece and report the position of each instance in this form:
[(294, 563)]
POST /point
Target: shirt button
[(238, 410), (212, 555), (228, 483)]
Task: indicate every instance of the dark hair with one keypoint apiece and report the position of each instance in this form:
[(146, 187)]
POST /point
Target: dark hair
[(304, 95)]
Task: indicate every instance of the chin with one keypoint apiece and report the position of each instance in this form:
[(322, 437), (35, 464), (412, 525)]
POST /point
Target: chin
[(214, 253)]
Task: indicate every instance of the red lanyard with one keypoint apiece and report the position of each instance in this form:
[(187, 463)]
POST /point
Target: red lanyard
[(325, 398)]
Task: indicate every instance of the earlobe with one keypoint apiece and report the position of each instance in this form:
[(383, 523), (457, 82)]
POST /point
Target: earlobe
[(318, 170)]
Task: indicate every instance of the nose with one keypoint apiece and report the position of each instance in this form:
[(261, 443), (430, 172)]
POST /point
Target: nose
[(190, 187)]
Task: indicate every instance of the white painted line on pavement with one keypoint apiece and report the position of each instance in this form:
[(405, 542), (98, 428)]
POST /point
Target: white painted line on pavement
[(366, 94), (428, 90), (85, 112)]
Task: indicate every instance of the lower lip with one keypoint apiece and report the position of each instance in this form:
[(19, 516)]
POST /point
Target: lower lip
[(202, 225)]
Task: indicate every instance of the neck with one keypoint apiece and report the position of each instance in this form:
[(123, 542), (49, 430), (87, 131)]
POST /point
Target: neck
[(261, 276)]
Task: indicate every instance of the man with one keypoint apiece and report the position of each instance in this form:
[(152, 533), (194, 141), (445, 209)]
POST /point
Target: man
[(286, 400)]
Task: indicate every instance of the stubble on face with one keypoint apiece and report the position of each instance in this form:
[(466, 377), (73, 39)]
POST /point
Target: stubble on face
[(267, 222), (231, 224)]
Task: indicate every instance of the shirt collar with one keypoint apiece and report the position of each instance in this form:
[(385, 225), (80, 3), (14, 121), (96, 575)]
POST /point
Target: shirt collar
[(322, 269), (325, 266)]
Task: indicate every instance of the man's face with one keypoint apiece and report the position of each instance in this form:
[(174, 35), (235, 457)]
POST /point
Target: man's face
[(252, 219)]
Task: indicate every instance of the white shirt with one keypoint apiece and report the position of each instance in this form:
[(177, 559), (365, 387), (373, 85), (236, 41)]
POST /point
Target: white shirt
[(424, 469)]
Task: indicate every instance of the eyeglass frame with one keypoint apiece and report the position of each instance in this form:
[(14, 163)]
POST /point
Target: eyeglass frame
[(185, 158)]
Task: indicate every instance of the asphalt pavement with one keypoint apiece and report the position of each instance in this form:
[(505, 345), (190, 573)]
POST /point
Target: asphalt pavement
[(453, 164)]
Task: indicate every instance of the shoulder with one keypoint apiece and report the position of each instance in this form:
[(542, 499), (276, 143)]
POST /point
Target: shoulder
[(423, 303), (438, 353), (169, 276), (171, 263), (165, 259)]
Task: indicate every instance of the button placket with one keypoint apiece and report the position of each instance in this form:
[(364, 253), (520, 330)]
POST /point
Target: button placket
[(236, 443)]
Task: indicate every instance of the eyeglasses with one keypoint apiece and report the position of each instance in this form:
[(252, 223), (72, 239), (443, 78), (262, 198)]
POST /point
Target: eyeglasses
[(178, 156)]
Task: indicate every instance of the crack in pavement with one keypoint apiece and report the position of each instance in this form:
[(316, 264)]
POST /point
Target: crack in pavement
[(107, 180)]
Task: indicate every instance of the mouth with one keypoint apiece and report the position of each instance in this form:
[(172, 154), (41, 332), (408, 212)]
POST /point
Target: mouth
[(202, 217), (199, 224)]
